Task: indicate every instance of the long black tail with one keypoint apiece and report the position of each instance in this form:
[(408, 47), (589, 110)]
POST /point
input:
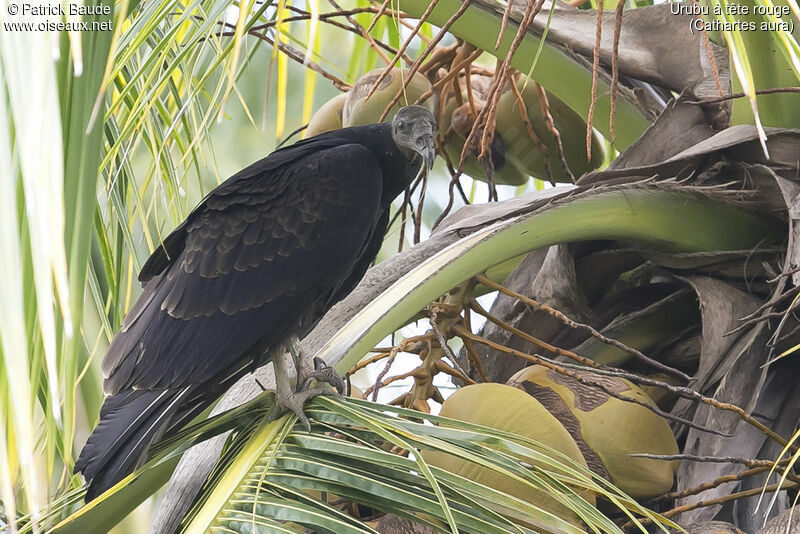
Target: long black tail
[(130, 422)]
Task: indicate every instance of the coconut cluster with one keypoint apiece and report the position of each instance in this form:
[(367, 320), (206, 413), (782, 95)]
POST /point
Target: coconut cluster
[(585, 418), (527, 132)]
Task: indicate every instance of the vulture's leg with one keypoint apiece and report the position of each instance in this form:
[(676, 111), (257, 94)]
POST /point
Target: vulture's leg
[(286, 399), (322, 372), (291, 399)]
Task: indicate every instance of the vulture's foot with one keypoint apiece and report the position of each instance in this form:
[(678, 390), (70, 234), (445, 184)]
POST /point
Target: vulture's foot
[(293, 401), (322, 373), (289, 399)]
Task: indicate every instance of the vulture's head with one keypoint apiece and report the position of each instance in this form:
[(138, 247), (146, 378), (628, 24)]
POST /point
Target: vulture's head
[(413, 129)]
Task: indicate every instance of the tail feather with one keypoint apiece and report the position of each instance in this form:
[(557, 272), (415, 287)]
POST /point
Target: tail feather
[(129, 422)]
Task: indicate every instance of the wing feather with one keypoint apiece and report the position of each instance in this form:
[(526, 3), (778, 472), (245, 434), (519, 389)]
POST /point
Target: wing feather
[(264, 256)]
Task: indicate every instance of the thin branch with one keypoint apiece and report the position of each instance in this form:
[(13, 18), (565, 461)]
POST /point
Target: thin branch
[(403, 217), (731, 497), (409, 344), (305, 15), (473, 107), (473, 357), (523, 113), (705, 459), (453, 371), (544, 105), (428, 48), (775, 301), (454, 72), (784, 274), (410, 192), (689, 393), (440, 338), (454, 182), (504, 23), (367, 362), (615, 68), (566, 370), (373, 389), (785, 337), (476, 307), (486, 120), (364, 34), (770, 91), (420, 205), (326, 18), (712, 502), (441, 56), (673, 495), (403, 48), (378, 15), (383, 373), (299, 57), (291, 134), (581, 326), (595, 73), (764, 317)]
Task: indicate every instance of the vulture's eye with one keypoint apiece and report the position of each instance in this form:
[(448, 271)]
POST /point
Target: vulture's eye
[(402, 126)]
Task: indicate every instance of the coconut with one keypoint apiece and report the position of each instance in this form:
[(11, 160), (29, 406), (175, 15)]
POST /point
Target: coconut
[(607, 429), (528, 155), (328, 117), (359, 111), (505, 408), (455, 125)]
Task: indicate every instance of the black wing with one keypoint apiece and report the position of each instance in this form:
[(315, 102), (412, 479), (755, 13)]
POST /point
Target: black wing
[(263, 257), (163, 256)]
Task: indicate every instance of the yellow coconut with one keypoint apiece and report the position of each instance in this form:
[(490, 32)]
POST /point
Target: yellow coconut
[(506, 408), (612, 428), (359, 111), (454, 128), (328, 117), (527, 155)]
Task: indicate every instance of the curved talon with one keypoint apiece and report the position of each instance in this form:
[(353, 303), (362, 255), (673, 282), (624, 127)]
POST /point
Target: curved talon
[(294, 402), (292, 399), (322, 373)]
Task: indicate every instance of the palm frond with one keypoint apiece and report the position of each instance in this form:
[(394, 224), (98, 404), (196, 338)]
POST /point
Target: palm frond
[(272, 473)]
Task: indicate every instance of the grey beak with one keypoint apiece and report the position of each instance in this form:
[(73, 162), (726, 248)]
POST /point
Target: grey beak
[(427, 150)]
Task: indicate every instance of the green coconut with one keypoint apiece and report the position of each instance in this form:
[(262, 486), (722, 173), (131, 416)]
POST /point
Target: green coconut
[(505, 408), (607, 429), (455, 126), (359, 111), (528, 155), (328, 117)]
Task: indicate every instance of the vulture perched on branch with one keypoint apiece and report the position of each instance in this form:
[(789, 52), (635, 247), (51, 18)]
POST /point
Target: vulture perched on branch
[(249, 272)]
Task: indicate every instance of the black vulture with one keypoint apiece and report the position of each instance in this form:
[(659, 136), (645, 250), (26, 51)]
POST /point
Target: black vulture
[(249, 272)]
